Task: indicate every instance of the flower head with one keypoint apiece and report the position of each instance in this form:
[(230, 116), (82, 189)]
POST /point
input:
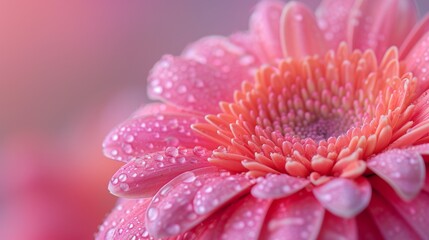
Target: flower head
[(283, 131)]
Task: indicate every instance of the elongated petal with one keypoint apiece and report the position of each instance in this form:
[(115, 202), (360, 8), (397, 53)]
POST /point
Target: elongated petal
[(246, 220), (143, 177), (414, 37), (338, 228), (344, 197), (171, 211), (334, 23), (277, 186), (193, 86), (265, 24), (414, 212), (297, 217), (417, 62), (379, 24), (125, 211), (299, 32), (367, 229), (403, 170), (390, 223), (151, 133), (218, 191)]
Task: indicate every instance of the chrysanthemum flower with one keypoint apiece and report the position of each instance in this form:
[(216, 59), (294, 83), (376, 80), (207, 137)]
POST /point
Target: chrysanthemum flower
[(283, 132)]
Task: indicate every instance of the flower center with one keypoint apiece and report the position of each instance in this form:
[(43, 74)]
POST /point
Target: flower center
[(316, 118)]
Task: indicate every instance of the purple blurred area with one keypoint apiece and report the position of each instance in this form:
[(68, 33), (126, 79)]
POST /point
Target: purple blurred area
[(69, 72)]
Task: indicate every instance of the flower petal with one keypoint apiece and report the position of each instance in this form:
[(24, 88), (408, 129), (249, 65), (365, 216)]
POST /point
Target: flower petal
[(275, 186), (143, 177), (151, 133), (414, 36), (265, 24), (415, 212), (218, 191), (334, 23), (344, 197), (389, 222), (367, 229), (125, 211), (297, 217), (300, 35), (226, 57), (403, 170), (379, 24), (193, 86), (417, 62), (338, 228), (247, 219), (171, 211)]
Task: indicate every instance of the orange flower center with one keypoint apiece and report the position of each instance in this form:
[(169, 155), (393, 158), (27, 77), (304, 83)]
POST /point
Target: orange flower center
[(316, 118)]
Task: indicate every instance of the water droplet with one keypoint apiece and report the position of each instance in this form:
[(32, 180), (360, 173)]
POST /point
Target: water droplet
[(173, 229), (129, 138), (157, 89), (114, 152), (172, 151), (115, 137), (128, 149), (124, 187), (190, 179), (122, 177), (152, 214), (115, 180), (109, 234), (199, 151)]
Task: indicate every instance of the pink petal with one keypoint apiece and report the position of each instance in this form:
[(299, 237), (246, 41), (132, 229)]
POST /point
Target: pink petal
[(300, 35), (297, 217), (143, 177), (171, 211), (250, 43), (151, 109), (344, 197), (194, 86), (265, 25), (379, 24), (426, 185), (390, 223), (246, 220), (417, 62), (125, 211), (338, 228), (151, 133), (332, 22), (367, 229), (403, 170), (224, 56), (414, 36), (275, 186), (220, 190), (415, 212)]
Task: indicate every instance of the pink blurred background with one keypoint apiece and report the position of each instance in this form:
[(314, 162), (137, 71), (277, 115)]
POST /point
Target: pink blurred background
[(69, 72)]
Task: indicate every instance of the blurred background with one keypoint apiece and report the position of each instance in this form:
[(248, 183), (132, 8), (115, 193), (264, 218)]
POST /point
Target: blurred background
[(69, 72)]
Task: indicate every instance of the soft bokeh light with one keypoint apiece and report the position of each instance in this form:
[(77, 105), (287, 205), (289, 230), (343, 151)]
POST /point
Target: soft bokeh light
[(69, 72)]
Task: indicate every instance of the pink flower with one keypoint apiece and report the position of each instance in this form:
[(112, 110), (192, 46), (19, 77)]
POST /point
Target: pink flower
[(325, 142)]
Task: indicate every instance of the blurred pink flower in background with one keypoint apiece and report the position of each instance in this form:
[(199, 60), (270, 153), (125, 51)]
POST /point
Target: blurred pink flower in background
[(330, 146)]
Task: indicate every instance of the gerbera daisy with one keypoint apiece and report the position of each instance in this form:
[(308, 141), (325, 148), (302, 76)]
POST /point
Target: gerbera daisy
[(304, 127)]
